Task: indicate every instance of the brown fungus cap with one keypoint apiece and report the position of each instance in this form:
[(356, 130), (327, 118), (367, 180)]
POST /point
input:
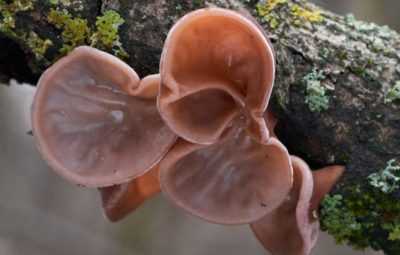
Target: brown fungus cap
[(95, 123), (120, 200), (234, 181), (292, 229), (216, 65)]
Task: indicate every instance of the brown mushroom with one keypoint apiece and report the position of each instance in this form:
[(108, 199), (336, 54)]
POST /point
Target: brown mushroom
[(120, 200), (293, 228), (95, 123), (234, 181), (216, 65)]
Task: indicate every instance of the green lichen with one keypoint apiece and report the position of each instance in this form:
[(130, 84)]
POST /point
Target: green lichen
[(387, 179), (106, 36), (393, 93), (38, 45), (267, 12), (378, 44), (325, 53), (359, 26), (368, 208), (316, 98), (178, 7), (268, 6), (341, 223), (9, 10), (75, 31), (304, 17), (386, 32), (7, 23)]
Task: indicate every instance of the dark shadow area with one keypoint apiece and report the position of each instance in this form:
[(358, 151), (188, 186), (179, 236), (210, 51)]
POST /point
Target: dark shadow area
[(13, 63)]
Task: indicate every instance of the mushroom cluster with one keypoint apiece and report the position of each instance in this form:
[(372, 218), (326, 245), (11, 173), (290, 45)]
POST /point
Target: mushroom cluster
[(199, 131)]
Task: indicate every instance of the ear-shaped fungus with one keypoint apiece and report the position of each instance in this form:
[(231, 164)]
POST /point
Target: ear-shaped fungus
[(216, 64), (95, 123), (234, 181), (122, 199), (292, 229)]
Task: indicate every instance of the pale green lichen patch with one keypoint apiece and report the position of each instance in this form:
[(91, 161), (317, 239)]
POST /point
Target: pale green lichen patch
[(386, 32), (304, 17), (355, 218), (375, 36), (267, 12), (316, 98), (393, 93), (387, 179), (378, 44), (361, 26)]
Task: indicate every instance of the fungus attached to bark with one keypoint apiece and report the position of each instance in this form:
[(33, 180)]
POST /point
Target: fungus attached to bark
[(122, 199), (95, 123), (216, 65), (293, 228), (234, 181)]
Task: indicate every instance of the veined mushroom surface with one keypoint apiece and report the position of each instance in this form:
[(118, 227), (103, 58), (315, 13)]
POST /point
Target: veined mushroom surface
[(95, 122), (216, 65)]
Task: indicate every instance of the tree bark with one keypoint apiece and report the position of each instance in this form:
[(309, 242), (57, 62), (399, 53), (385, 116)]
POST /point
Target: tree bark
[(359, 127)]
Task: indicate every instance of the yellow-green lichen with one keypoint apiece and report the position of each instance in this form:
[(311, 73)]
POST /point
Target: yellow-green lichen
[(303, 17), (316, 98), (106, 36), (267, 12), (393, 93), (357, 217), (341, 223), (7, 23), (9, 10), (38, 45), (75, 31)]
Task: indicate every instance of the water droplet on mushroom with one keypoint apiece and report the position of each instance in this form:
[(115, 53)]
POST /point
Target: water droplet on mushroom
[(64, 114), (315, 214), (230, 60), (117, 115), (91, 81)]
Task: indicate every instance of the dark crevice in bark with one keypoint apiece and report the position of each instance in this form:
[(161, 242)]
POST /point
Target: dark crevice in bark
[(13, 63)]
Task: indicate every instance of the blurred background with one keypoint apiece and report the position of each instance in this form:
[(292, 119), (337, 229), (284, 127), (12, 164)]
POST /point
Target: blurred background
[(42, 214)]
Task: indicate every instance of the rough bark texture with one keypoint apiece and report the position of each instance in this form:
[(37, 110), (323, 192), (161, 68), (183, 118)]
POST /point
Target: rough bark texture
[(359, 126)]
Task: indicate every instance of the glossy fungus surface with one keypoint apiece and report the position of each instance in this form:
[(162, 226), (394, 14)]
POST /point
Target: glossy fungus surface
[(90, 125), (216, 65)]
